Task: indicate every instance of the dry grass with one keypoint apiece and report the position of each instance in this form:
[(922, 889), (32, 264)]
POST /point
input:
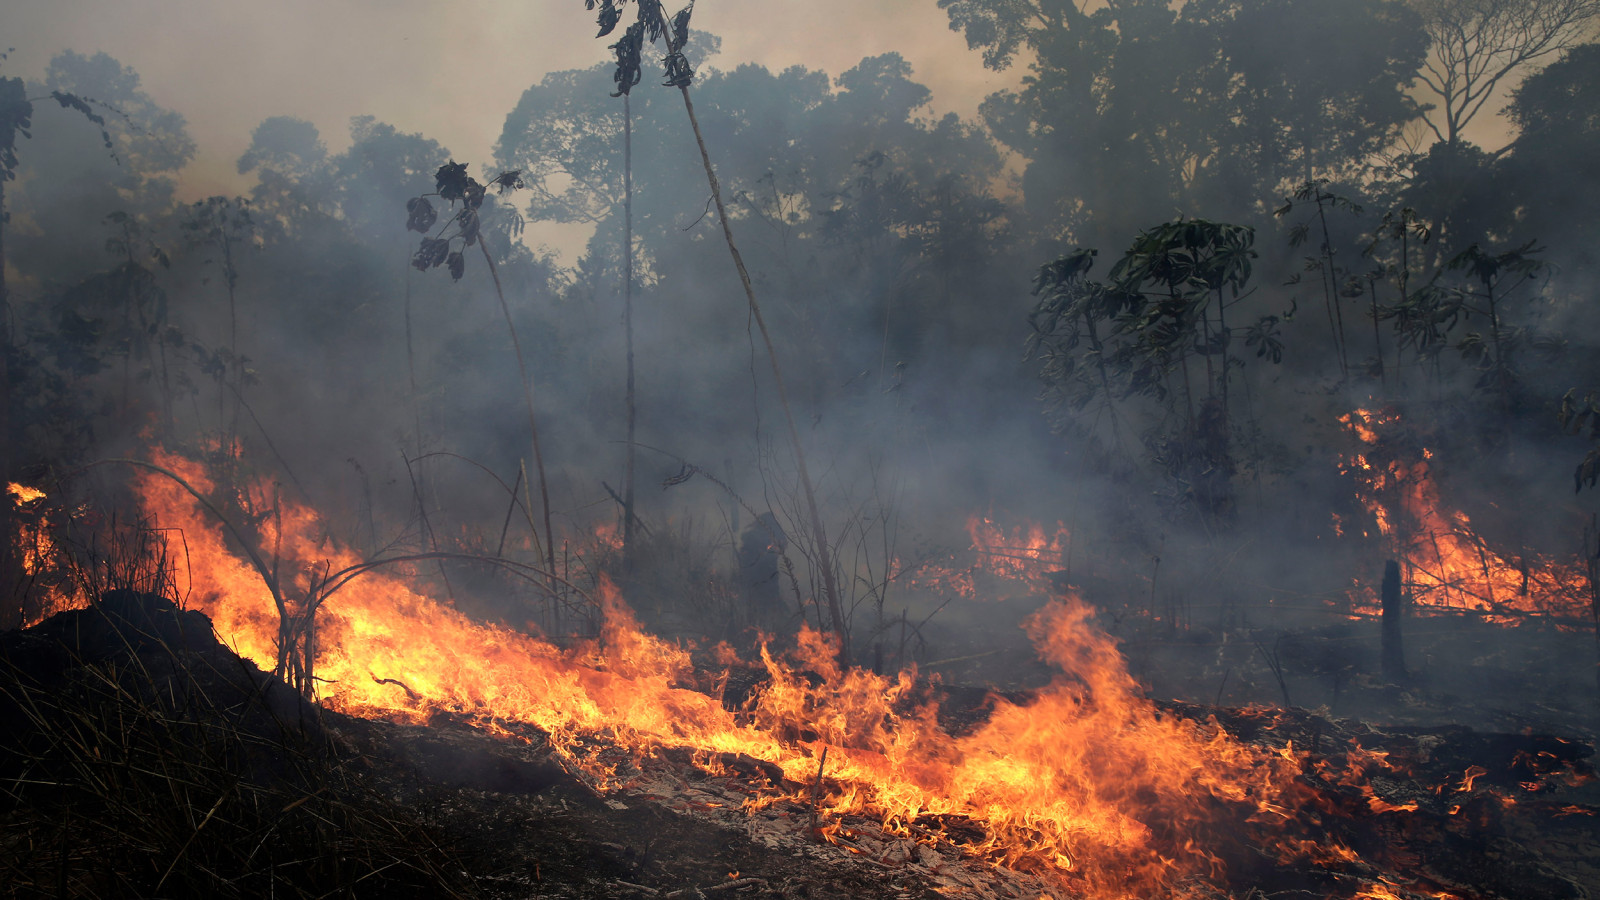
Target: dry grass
[(141, 759)]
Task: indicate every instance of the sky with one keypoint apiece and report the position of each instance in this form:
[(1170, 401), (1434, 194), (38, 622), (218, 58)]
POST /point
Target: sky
[(450, 70)]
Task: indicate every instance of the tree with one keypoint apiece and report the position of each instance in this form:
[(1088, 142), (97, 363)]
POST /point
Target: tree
[(652, 18), (874, 213), (1207, 105), (559, 136), (225, 227), (628, 74), (294, 178), (81, 169), (1148, 331), (454, 185), (1549, 173), (1575, 416), (16, 120), (1475, 45)]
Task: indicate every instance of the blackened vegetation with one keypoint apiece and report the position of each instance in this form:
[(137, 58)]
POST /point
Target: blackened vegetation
[(142, 758), (1495, 815), (454, 186)]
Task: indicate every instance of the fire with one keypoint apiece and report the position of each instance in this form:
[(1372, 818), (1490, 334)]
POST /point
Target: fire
[(1089, 781), (22, 494), (1448, 566), (40, 558), (1025, 553), (1028, 555), (1470, 777)]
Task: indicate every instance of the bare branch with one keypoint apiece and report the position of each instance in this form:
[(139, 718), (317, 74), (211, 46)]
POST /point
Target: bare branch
[(1479, 44)]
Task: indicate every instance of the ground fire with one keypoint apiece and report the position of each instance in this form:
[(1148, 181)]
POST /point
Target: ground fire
[(1083, 786), (1017, 449)]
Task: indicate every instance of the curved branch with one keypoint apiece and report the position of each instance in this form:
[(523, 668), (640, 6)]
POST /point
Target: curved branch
[(262, 569), (344, 576), (515, 499)]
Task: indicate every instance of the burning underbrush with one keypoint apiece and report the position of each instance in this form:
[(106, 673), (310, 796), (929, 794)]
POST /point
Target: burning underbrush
[(1081, 788), (1448, 567)]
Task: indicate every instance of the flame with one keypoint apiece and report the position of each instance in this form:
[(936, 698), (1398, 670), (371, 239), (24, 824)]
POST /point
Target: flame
[(40, 558), (1026, 555), (22, 494), (1088, 781), (1447, 565)]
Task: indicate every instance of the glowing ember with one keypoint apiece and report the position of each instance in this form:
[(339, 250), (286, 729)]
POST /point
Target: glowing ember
[(1089, 780), (1447, 565)]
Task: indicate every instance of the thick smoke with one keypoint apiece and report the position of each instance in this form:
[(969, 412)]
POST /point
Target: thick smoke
[(1194, 451)]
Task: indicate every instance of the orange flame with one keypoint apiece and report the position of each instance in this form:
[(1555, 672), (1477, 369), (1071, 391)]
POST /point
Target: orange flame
[(1089, 778), (1026, 555), (1449, 566), (39, 555), (23, 494)]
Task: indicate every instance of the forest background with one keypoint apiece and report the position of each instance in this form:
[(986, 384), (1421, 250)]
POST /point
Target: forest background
[(1139, 292)]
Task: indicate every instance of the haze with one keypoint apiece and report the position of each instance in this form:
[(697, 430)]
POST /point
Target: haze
[(447, 70)]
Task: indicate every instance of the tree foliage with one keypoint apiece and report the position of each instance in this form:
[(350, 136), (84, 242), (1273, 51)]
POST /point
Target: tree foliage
[(1206, 105), (1476, 45)]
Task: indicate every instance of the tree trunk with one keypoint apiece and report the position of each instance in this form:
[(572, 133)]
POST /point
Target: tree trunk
[(11, 575), (819, 535), (533, 424), (1394, 657), (627, 323)]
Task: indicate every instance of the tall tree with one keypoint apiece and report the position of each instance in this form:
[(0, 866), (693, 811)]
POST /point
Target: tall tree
[(1550, 171), (1208, 106), (1476, 45), (126, 159), (629, 73), (16, 120), (680, 74)]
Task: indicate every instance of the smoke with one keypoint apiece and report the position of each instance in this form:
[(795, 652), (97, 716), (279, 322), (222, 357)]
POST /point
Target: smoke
[(894, 251), (449, 75)]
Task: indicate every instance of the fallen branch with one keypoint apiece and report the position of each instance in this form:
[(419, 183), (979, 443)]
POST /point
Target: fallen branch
[(410, 694), (733, 885)]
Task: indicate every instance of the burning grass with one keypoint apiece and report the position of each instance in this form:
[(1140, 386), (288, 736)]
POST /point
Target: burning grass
[(1089, 780), (1085, 783)]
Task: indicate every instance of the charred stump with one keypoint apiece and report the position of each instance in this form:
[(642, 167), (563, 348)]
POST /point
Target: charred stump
[(1394, 656)]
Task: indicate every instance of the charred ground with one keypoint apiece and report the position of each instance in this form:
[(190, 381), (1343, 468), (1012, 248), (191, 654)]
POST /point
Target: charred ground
[(145, 758)]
